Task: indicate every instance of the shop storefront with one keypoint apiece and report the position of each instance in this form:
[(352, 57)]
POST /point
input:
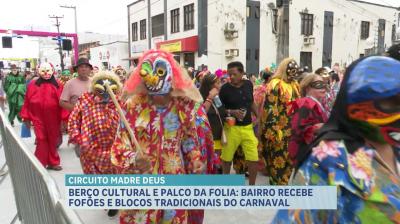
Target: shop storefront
[(183, 49)]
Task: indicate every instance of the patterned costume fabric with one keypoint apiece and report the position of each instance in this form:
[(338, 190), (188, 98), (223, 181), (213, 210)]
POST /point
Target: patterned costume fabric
[(276, 129), (93, 125), (306, 113), (15, 89), (41, 107), (65, 77), (206, 142), (239, 162), (329, 100), (260, 92), (367, 191), (205, 137), (169, 139), (357, 150), (63, 81)]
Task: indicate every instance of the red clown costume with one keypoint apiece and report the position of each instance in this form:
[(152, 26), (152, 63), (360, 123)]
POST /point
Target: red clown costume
[(93, 124), (41, 109)]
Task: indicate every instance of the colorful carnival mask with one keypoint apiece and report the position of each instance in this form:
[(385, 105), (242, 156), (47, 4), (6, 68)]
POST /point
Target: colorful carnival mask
[(99, 85), (121, 73), (374, 98), (292, 70), (65, 75), (46, 70), (156, 73)]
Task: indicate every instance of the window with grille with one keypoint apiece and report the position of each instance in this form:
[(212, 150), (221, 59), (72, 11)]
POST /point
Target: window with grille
[(188, 19), (364, 30), (275, 16), (142, 29), (394, 32), (257, 12), (134, 31), (398, 20), (257, 54), (175, 20), (306, 60), (157, 25), (307, 23)]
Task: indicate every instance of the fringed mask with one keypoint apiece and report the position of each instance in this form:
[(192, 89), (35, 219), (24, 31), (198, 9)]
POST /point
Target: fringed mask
[(46, 70), (292, 70), (156, 73), (99, 85), (374, 99), (121, 73)]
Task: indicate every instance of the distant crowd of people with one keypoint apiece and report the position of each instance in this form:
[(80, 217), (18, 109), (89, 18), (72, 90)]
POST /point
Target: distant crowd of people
[(334, 126)]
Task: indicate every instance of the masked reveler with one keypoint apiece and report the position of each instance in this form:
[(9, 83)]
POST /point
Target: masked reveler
[(65, 77), (41, 109), (93, 123), (121, 73), (275, 122), (330, 97), (162, 115), (15, 88), (357, 149)]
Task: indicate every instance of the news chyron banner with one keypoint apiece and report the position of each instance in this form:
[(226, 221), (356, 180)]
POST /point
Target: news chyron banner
[(190, 192)]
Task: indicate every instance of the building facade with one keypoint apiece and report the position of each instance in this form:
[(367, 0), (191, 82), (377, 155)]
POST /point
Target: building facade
[(261, 33), (90, 40), (340, 31), (110, 55)]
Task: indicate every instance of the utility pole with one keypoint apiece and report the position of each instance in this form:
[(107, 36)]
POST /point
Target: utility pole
[(283, 33), (59, 39), (76, 19)]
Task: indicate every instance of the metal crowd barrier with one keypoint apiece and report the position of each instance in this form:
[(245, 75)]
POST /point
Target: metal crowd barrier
[(37, 196)]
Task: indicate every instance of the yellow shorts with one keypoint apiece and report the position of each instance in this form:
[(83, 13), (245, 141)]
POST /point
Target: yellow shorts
[(240, 136)]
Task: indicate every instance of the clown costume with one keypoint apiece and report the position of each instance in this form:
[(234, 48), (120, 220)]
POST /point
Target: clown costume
[(162, 115), (41, 109), (275, 122), (93, 123)]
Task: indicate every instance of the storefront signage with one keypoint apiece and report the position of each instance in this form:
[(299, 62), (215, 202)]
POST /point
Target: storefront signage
[(172, 47)]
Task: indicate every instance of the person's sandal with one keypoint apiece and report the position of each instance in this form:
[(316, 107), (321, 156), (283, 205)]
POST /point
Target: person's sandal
[(56, 168)]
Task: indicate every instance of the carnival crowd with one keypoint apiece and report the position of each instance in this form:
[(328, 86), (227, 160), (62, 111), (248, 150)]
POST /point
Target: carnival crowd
[(334, 126)]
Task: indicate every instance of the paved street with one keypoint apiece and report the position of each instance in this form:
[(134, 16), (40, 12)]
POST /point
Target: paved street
[(71, 165)]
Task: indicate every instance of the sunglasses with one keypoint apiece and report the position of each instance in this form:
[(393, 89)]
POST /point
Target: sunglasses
[(318, 85)]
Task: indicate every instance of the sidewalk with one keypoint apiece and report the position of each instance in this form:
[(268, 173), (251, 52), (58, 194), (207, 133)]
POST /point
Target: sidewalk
[(71, 165), (7, 203)]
